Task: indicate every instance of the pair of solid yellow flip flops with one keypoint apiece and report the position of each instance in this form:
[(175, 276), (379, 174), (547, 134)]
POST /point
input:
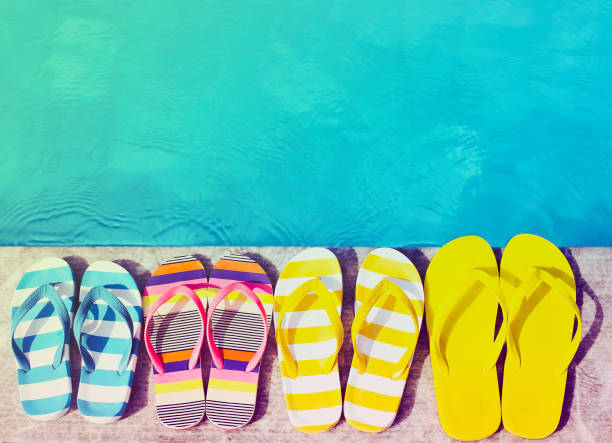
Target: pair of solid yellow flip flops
[(536, 292)]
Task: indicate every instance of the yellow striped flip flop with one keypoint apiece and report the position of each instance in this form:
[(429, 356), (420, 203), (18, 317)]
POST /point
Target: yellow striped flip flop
[(309, 333), (388, 315)]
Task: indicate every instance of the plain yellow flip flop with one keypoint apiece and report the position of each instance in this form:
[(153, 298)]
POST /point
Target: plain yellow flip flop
[(461, 301), (538, 284)]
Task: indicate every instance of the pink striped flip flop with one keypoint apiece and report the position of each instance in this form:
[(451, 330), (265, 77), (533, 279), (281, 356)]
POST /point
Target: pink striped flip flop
[(240, 300)]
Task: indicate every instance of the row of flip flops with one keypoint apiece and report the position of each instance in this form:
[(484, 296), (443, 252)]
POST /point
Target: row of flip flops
[(107, 329), (233, 308)]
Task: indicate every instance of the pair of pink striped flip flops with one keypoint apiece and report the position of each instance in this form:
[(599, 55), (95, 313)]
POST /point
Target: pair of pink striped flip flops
[(238, 298)]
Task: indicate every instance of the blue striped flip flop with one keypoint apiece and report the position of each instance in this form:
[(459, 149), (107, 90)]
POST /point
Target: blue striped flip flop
[(107, 330), (41, 317)]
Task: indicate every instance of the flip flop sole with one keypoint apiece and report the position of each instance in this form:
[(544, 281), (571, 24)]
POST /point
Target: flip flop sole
[(237, 332), (532, 394), (373, 398), (467, 397), (104, 393), (174, 330), (314, 400), (45, 393)]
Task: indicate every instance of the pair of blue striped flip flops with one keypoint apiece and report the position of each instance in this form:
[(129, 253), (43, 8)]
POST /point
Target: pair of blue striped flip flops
[(106, 327)]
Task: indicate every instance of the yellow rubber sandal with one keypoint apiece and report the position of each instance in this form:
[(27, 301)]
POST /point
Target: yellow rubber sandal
[(461, 301), (538, 283), (389, 312), (309, 333)]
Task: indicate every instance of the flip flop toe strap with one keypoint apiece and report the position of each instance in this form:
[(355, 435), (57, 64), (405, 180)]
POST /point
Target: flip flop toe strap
[(100, 293), (49, 292), (480, 286), (384, 290), (166, 296), (313, 286), (244, 289), (539, 276)]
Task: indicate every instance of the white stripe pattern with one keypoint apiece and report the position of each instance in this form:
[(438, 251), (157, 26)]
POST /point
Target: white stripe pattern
[(390, 319), (37, 391), (376, 383), (304, 384), (369, 279), (306, 319), (369, 416), (105, 328), (285, 287), (102, 394), (65, 290), (380, 350), (315, 417), (312, 351), (37, 326), (44, 357)]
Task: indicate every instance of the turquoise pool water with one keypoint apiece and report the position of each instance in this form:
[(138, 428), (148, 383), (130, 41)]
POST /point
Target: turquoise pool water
[(305, 123)]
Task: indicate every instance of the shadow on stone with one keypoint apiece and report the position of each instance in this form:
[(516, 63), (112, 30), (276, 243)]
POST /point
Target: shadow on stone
[(498, 255), (78, 265), (421, 262), (139, 273), (349, 264), (140, 384), (416, 371), (265, 368), (267, 266), (588, 338), (265, 377), (139, 397), (206, 262)]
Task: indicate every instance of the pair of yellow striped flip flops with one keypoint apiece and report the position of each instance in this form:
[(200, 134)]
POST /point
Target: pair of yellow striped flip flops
[(307, 306), (537, 297)]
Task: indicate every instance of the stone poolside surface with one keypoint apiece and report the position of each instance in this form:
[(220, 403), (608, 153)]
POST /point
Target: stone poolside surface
[(587, 412)]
